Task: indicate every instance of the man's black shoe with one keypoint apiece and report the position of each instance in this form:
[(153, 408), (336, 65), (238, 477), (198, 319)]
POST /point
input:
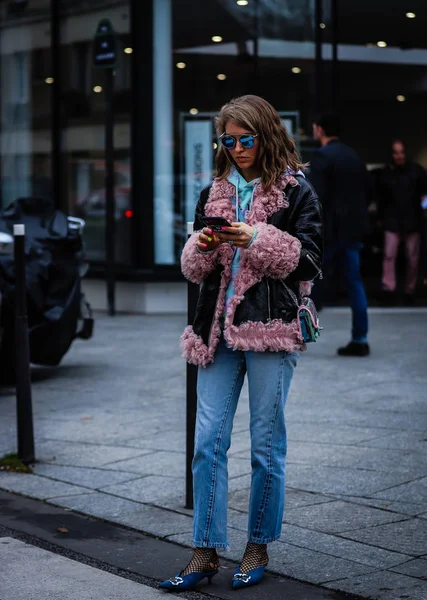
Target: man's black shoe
[(354, 349)]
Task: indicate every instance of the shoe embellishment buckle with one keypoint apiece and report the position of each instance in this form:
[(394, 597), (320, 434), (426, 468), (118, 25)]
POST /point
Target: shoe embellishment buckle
[(176, 581), (242, 577)]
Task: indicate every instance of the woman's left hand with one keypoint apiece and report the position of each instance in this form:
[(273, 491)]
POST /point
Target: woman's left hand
[(239, 233)]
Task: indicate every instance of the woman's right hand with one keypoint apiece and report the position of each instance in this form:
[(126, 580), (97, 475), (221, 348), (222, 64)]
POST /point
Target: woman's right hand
[(207, 240)]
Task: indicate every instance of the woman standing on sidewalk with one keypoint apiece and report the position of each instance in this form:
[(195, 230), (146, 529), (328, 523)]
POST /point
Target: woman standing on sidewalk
[(253, 274)]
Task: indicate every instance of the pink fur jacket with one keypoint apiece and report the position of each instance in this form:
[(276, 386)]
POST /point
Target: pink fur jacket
[(274, 271)]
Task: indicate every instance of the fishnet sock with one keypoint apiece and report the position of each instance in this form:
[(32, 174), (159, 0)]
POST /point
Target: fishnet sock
[(204, 559), (255, 556)]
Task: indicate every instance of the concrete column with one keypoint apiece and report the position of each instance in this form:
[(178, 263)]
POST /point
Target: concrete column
[(163, 133)]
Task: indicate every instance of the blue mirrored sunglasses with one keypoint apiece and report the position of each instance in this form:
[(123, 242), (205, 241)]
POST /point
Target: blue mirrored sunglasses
[(246, 140)]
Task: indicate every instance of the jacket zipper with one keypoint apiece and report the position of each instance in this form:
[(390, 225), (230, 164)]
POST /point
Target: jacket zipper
[(319, 271), (268, 299)]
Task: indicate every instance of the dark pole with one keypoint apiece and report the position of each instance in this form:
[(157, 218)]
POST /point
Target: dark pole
[(110, 237), (59, 199), (335, 62), (24, 410), (142, 133), (192, 297), (257, 21), (318, 92)]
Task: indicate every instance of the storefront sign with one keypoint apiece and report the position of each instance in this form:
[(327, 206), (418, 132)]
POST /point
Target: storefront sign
[(198, 161), (105, 46)]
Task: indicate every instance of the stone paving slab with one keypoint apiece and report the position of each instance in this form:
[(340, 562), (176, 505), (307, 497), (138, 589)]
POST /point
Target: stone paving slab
[(155, 463), (335, 546), (334, 480), (49, 576), (387, 395), (336, 517), (341, 434), (83, 476), (37, 487), (292, 561), (403, 508), (383, 585), (239, 499), (150, 489), (409, 536), (400, 440), (410, 463), (414, 568), (149, 519), (83, 455), (174, 442), (345, 416), (414, 491)]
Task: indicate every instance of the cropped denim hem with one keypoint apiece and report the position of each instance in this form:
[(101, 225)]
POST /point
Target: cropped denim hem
[(216, 545)]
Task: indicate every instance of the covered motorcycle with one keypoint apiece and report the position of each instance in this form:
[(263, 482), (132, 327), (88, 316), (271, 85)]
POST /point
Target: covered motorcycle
[(55, 266)]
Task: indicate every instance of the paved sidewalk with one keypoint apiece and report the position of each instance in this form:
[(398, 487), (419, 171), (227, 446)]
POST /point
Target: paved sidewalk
[(49, 576), (110, 440)]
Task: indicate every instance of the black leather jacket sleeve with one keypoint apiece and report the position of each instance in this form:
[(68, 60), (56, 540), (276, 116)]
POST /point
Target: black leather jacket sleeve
[(307, 225), (200, 208)]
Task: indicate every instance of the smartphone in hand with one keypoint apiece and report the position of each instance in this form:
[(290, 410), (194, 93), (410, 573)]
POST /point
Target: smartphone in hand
[(215, 223)]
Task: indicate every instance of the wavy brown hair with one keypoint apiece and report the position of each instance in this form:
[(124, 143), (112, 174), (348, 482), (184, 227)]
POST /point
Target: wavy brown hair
[(277, 149)]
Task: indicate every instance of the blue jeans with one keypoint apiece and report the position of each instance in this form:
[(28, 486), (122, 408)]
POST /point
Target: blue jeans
[(218, 389), (346, 255)]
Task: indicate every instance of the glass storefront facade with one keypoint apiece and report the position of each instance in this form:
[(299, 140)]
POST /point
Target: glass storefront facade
[(82, 90), (179, 61)]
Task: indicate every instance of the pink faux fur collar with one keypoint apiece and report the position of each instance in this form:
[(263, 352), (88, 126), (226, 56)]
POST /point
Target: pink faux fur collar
[(265, 203)]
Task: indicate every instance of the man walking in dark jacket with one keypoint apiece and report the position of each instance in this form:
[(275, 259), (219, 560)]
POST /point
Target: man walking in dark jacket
[(341, 180)]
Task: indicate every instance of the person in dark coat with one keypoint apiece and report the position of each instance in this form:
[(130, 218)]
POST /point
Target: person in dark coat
[(399, 190), (340, 179)]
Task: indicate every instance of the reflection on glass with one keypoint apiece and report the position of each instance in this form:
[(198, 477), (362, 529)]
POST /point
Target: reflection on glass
[(25, 101), (83, 94)]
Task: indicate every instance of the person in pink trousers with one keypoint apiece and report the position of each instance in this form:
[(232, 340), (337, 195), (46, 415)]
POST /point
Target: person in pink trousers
[(400, 187)]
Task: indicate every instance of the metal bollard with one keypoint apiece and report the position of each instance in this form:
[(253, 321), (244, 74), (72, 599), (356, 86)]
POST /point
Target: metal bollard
[(192, 297), (25, 429)]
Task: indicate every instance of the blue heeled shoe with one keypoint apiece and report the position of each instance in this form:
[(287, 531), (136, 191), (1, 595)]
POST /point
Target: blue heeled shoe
[(185, 583), (253, 577)]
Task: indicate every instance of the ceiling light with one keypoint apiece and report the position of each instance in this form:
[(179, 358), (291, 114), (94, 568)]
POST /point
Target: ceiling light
[(296, 70), (181, 65), (400, 98), (97, 89), (322, 25), (411, 15), (128, 50), (194, 111), (382, 44), (215, 146), (216, 39), (242, 2), (49, 80), (221, 76)]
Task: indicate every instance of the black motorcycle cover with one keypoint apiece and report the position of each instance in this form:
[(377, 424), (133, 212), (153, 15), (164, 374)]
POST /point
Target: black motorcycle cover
[(54, 254)]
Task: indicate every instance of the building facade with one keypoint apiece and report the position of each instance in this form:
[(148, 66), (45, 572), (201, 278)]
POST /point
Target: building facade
[(178, 62)]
